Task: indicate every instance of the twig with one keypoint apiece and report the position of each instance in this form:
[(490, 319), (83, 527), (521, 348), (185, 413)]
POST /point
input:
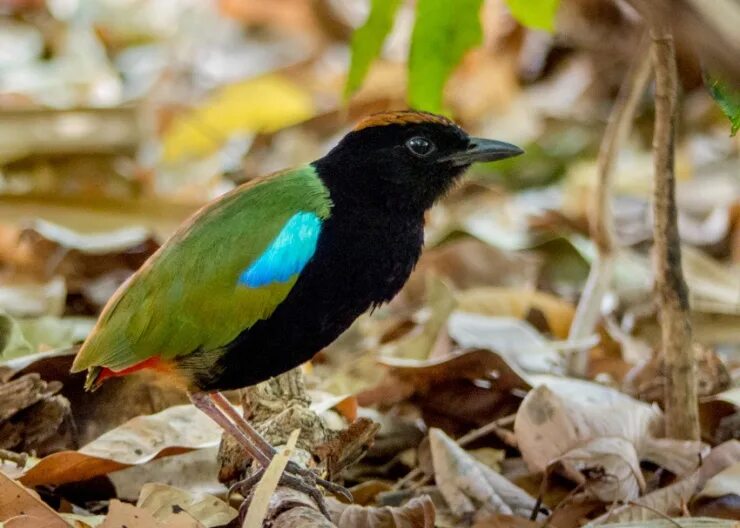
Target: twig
[(484, 430), (19, 459), (682, 413), (602, 220), (464, 440), (656, 512)]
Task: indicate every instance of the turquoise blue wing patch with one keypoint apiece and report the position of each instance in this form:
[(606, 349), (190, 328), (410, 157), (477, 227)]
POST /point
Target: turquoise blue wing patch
[(288, 254)]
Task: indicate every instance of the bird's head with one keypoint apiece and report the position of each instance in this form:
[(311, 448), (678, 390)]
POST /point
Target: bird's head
[(404, 160)]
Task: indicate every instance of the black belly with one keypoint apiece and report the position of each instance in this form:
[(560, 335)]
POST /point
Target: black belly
[(354, 267)]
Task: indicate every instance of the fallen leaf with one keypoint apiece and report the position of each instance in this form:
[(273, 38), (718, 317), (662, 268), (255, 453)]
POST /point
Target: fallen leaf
[(345, 404), (31, 299), (725, 482), (162, 500), (21, 508), (348, 446), (517, 342), (598, 435), (427, 338), (268, 483), (141, 439), (469, 365), (730, 396), (695, 522), (470, 487), (517, 303), (608, 467), (471, 265), (671, 499), (417, 513), (196, 471), (12, 341), (99, 243), (121, 514), (498, 520)]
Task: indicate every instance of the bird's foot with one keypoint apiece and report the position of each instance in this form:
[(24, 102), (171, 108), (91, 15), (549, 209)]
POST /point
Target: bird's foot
[(310, 475), (297, 478)]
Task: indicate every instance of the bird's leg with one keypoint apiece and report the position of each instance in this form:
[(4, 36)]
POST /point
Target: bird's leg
[(225, 406), (205, 404)]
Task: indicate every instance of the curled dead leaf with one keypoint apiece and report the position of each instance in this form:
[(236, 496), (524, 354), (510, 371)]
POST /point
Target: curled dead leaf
[(162, 500), (417, 513), (469, 486), (172, 431), (598, 435), (22, 508)]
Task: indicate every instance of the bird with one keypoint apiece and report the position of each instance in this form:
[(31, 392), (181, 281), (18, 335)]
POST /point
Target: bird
[(259, 280)]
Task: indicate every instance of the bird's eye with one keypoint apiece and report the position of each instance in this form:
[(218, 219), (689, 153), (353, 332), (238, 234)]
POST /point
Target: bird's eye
[(419, 146)]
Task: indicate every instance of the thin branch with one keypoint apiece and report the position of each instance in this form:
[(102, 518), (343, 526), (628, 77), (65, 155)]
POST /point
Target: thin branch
[(491, 427), (681, 405), (602, 220)]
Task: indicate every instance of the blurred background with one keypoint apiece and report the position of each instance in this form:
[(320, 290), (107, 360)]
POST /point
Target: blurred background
[(119, 118)]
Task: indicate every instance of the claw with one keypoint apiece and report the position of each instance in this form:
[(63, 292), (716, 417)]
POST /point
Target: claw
[(309, 474), (297, 478)]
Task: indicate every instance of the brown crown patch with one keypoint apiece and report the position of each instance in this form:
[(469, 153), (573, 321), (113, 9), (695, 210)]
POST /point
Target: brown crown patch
[(402, 117)]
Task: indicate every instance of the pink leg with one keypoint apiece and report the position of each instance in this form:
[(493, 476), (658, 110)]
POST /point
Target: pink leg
[(205, 404), (226, 409)]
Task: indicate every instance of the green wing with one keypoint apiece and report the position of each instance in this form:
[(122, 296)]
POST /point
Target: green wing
[(187, 296)]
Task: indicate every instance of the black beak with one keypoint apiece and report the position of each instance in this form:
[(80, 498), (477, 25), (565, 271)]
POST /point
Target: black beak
[(483, 150)]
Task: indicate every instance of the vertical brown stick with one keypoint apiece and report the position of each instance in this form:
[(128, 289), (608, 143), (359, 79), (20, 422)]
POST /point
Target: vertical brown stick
[(602, 220), (682, 416)]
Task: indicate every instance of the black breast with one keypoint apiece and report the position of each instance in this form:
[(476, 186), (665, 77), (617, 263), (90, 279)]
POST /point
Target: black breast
[(359, 262)]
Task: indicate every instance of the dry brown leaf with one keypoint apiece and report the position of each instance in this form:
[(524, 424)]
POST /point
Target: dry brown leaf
[(348, 446), (470, 365), (162, 500), (517, 342), (21, 508), (608, 466), (345, 404), (172, 431), (121, 514), (195, 471), (417, 513), (33, 299), (598, 436), (428, 338), (725, 482), (695, 522), (670, 499), (498, 520), (469, 263), (470, 487), (517, 303)]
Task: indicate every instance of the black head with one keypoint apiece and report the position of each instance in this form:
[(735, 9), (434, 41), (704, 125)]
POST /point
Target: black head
[(404, 160)]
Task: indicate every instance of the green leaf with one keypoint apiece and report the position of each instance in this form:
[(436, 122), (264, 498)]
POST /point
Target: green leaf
[(728, 100), (535, 14), (443, 32), (367, 41)]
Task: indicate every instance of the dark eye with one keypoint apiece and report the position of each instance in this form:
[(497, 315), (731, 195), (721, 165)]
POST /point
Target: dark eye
[(420, 146)]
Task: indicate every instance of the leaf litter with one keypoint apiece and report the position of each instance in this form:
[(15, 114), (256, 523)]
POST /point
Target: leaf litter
[(448, 407)]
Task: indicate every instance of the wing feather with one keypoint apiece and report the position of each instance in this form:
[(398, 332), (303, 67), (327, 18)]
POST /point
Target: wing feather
[(188, 295)]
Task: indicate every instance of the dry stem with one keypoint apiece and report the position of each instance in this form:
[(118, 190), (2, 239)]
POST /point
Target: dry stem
[(682, 416), (602, 220)]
